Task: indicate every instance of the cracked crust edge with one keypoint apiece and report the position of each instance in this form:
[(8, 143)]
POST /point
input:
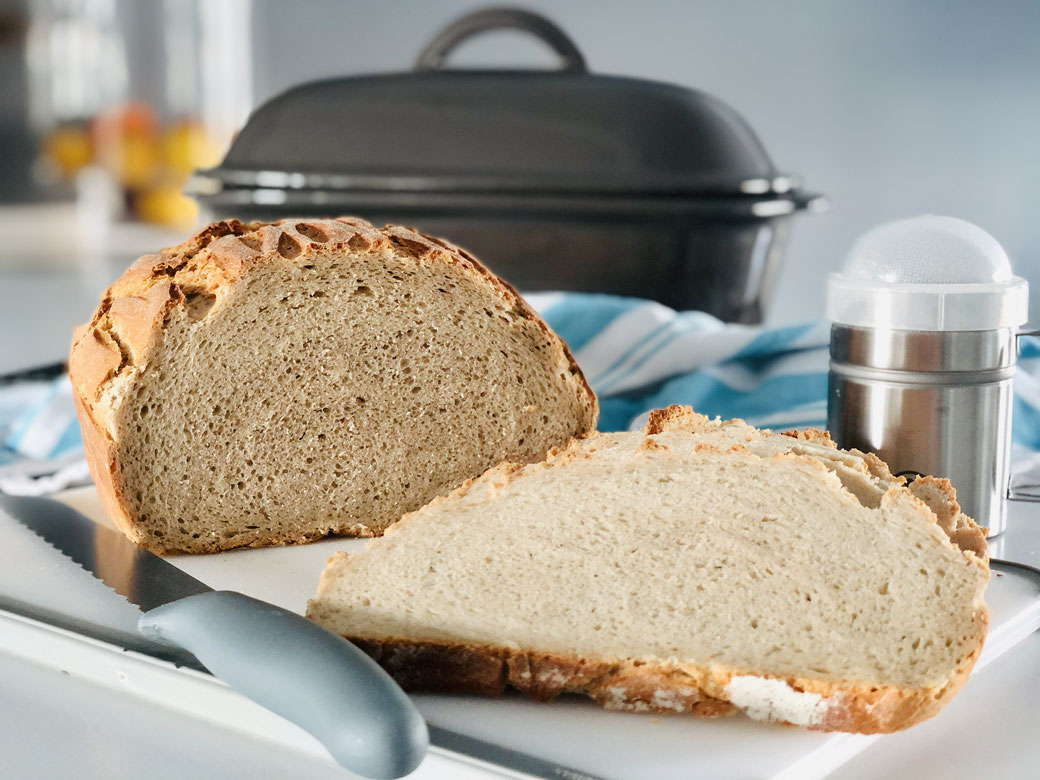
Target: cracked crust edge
[(128, 326)]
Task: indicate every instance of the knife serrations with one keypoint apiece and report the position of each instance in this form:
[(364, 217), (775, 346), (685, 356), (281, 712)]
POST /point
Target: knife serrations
[(141, 577), (149, 581)]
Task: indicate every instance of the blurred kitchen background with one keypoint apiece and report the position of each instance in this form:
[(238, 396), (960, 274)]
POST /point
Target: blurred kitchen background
[(890, 108)]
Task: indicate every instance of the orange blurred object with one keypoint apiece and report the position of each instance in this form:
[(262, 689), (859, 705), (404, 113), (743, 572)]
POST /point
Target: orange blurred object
[(131, 119), (126, 142)]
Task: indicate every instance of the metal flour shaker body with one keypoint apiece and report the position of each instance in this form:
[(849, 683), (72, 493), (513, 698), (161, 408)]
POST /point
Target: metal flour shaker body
[(923, 349)]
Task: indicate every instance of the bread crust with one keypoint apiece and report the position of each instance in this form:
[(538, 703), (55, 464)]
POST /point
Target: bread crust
[(667, 686), (488, 671), (650, 685), (108, 352)]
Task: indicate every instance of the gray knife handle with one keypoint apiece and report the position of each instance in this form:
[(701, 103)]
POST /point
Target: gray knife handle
[(306, 674)]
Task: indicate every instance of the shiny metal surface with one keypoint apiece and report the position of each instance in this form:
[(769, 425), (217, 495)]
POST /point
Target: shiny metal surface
[(137, 643), (958, 431), (925, 351), (937, 378), (935, 403), (140, 576)]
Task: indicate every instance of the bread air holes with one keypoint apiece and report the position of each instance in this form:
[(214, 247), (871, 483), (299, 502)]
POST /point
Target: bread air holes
[(313, 232), (289, 247), (198, 303), (252, 241)]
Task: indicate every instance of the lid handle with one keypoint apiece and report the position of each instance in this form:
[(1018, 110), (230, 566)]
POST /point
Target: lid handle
[(448, 39)]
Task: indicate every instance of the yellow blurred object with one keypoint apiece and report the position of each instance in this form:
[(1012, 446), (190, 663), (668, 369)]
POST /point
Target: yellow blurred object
[(133, 160), (187, 146), (166, 205), (149, 161), (69, 149), (126, 141)]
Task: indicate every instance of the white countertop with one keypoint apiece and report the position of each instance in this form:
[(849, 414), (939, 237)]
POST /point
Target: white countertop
[(55, 726)]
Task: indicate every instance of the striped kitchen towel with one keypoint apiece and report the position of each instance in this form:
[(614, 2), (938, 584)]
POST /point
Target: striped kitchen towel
[(40, 446), (637, 355)]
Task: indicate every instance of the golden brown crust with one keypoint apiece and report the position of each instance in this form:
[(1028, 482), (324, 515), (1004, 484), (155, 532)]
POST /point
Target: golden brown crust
[(101, 459), (489, 671), (674, 418), (129, 323), (649, 685), (939, 495), (814, 435)]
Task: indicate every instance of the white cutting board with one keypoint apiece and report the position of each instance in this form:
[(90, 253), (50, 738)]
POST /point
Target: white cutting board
[(572, 731)]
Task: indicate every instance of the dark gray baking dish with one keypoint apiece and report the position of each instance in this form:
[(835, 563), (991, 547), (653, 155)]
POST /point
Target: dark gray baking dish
[(556, 179)]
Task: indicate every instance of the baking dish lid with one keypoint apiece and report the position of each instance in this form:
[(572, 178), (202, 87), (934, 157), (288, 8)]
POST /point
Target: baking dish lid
[(564, 131)]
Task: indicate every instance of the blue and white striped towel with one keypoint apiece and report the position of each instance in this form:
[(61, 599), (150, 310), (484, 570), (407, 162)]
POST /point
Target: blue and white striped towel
[(636, 354)]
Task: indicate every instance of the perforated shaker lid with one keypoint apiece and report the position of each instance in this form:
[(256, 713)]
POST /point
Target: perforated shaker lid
[(928, 273)]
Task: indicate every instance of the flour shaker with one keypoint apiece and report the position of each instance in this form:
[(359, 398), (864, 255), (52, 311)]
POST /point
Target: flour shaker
[(924, 319)]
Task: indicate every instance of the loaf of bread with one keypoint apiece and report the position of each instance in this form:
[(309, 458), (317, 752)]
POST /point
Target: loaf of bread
[(697, 566), (274, 383)]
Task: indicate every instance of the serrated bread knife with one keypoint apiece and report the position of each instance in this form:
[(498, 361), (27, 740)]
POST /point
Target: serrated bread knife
[(279, 659)]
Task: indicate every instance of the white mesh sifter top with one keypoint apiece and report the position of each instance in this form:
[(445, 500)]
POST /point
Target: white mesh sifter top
[(927, 273)]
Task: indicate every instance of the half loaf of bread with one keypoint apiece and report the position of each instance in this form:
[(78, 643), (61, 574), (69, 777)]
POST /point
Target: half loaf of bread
[(274, 383), (698, 566)]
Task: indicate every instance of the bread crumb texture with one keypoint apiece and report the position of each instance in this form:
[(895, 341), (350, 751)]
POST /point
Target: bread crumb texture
[(275, 383), (718, 568)]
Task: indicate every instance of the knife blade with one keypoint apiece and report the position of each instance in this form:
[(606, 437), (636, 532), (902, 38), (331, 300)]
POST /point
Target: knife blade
[(97, 549), (281, 660), (141, 577)]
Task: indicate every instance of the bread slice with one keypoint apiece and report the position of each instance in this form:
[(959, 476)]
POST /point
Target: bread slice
[(698, 566), (273, 383)]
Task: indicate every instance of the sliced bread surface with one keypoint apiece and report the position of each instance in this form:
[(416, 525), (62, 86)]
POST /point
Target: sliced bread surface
[(275, 383), (698, 566)]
